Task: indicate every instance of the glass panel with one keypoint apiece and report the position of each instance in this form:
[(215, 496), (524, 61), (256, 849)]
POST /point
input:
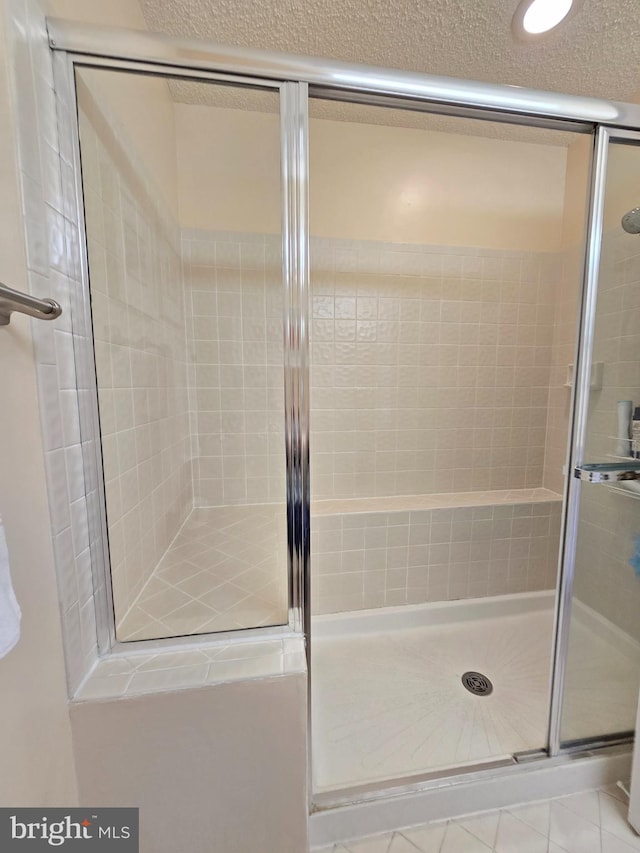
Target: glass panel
[(603, 664), (445, 269), (182, 199)]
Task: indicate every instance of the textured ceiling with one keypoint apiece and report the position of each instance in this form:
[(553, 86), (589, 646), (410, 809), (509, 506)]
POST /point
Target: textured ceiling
[(596, 52)]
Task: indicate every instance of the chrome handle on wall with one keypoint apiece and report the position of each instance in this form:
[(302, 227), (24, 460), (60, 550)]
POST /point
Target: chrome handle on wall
[(608, 472), (13, 300)]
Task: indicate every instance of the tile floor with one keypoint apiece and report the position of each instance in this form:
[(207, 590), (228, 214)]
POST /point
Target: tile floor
[(592, 822), (391, 703), (225, 570)]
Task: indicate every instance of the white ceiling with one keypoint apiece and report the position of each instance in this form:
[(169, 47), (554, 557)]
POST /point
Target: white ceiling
[(596, 52)]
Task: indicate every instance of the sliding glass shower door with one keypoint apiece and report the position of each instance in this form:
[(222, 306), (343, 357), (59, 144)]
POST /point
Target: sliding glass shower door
[(602, 637), (445, 280)]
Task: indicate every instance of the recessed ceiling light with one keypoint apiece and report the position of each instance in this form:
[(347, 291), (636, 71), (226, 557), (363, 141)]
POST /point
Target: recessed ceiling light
[(533, 18)]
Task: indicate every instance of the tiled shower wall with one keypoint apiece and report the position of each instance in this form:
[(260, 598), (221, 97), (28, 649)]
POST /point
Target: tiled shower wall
[(234, 306), (565, 325), (430, 373), (51, 241), (140, 346), (609, 520), (430, 368), (382, 559)]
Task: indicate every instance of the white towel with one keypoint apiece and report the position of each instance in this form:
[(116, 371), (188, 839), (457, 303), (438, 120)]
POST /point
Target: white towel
[(9, 607)]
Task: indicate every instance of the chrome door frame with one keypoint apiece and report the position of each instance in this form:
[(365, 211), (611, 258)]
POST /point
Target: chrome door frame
[(344, 77), (578, 432), (295, 269), (295, 76)]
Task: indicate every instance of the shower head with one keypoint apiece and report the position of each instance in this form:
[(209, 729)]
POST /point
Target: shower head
[(631, 221)]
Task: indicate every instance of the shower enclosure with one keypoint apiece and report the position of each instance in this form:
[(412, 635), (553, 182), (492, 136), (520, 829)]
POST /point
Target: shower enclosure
[(352, 343), (436, 501)]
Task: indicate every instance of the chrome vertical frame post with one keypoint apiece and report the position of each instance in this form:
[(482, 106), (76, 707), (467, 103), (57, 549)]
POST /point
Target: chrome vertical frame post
[(84, 353), (295, 249), (580, 409)]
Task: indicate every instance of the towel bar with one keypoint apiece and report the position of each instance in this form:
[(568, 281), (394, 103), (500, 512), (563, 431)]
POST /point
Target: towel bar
[(13, 300)]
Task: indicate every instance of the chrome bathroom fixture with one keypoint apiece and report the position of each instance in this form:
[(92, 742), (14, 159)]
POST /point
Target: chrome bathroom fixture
[(13, 300), (631, 221)]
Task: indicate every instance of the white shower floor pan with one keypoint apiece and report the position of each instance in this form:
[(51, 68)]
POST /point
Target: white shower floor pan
[(388, 701)]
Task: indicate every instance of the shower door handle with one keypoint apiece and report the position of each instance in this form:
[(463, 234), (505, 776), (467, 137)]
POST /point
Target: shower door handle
[(608, 472)]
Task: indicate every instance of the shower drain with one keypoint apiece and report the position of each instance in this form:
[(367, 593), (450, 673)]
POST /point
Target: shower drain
[(477, 683)]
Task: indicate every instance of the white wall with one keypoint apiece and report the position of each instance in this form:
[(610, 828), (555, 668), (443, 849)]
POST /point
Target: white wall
[(142, 111), (623, 183), (228, 169), (142, 103), (35, 740), (372, 182), (115, 13), (133, 248), (576, 191), (566, 305), (220, 769), (37, 763)]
